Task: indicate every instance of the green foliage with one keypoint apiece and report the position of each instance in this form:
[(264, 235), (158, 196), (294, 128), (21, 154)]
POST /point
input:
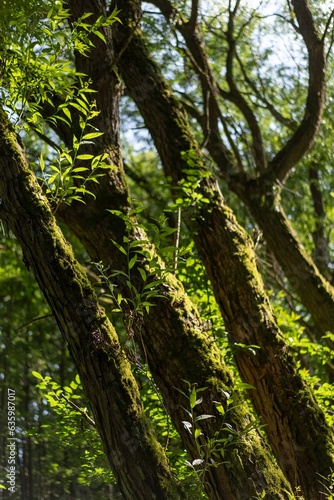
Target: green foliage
[(36, 53), (30, 339), (66, 177), (36, 62), (74, 425), (212, 450), (142, 263), (188, 187), (328, 484), (36, 65), (312, 357), (167, 434)]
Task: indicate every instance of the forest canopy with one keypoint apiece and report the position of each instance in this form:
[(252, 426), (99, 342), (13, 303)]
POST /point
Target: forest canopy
[(166, 249)]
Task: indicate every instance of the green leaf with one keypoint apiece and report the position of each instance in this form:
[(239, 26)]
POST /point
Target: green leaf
[(67, 113), (119, 247), (54, 169), (153, 284), (85, 157), (220, 409), (80, 169), (85, 16), (67, 156), (132, 262), (100, 35), (192, 398), (37, 375), (52, 178), (41, 162), (197, 433), (92, 135), (142, 273)]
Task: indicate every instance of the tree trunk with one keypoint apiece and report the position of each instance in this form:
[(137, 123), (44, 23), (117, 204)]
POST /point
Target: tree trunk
[(315, 292), (280, 397), (295, 425), (134, 454), (179, 353)]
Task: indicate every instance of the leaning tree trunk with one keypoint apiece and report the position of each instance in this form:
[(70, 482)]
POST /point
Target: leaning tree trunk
[(135, 456), (294, 423), (315, 292), (170, 333)]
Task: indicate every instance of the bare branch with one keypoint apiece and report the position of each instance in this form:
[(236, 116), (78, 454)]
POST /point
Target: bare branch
[(327, 26), (79, 410), (194, 14), (166, 8), (198, 57), (304, 136), (45, 138), (33, 320), (238, 99), (321, 254), (262, 98)]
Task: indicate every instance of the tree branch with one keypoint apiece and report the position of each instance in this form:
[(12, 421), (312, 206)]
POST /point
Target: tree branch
[(321, 254), (79, 410), (238, 99), (262, 98), (198, 57), (33, 320), (304, 136), (194, 14)]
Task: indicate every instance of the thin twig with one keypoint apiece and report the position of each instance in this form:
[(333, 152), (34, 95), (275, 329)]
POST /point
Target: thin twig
[(82, 412), (38, 318), (177, 240)]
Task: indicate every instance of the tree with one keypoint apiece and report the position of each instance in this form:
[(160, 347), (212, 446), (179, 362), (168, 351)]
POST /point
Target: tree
[(86, 329), (156, 310)]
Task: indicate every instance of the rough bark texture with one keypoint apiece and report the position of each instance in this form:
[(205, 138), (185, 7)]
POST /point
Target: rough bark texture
[(134, 454), (170, 334), (315, 292), (320, 239), (280, 397)]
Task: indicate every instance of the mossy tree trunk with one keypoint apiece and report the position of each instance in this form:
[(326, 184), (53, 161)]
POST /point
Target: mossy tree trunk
[(315, 292), (136, 458), (293, 421), (170, 333)]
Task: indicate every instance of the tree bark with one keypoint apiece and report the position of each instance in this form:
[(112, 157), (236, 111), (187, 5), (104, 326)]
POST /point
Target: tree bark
[(315, 292), (134, 454), (280, 396), (320, 239)]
